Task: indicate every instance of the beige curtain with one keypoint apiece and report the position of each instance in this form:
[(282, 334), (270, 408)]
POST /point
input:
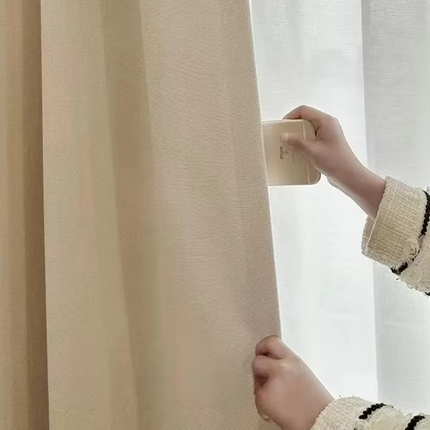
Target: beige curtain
[(136, 262)]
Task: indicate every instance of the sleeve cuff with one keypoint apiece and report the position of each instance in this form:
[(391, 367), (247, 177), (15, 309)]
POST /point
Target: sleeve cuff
[(341, 414), (344, 414), (392, 238), (417, 275)]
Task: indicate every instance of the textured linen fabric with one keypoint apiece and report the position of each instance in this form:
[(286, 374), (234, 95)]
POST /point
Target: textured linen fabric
[(23, 352), (153, 226)]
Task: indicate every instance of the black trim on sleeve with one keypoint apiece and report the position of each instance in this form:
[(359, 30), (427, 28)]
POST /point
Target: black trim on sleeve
[(426, 216), (370, 410), (398, 271), (401, 269), (414, 421)]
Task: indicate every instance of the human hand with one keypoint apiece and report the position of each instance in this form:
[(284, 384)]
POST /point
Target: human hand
[(286, 391), (331, 154)]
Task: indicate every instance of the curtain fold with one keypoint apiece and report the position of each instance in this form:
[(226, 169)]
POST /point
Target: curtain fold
[(23, 357), (148, 212)]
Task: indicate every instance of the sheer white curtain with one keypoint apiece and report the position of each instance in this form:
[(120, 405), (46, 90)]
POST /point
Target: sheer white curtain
[(367, 63)]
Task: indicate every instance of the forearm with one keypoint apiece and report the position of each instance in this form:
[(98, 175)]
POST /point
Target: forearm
[(365, 188), (396, 230), (397, 237)]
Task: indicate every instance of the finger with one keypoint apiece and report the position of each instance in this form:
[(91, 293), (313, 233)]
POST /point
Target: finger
[(263, 366), (307, 113), (265, 418), (273, 347), (260, 405), (258, 384), (298, 144)]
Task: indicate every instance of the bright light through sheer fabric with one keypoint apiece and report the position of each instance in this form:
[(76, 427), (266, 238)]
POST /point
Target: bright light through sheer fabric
[(359, 331)]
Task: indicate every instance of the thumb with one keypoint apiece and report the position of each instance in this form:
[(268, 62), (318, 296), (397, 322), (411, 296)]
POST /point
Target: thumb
[(297, 144)]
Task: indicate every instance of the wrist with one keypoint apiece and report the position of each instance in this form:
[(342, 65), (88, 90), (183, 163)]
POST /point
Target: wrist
[(350, 180), (365, 188)]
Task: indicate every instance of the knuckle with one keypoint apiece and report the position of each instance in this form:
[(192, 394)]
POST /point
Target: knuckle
[(263, 400), (295, 361), (295, 141), (299, 143), (257, 361), (272, 341), (332, 120), (284, 366), (291, 365), (286, 371)]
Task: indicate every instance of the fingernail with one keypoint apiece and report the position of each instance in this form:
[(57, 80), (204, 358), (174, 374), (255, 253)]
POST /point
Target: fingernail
[(266, 418)]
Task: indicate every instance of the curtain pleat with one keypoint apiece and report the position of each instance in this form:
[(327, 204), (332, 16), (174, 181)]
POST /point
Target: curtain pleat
[(23, 357), (152, 223)]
